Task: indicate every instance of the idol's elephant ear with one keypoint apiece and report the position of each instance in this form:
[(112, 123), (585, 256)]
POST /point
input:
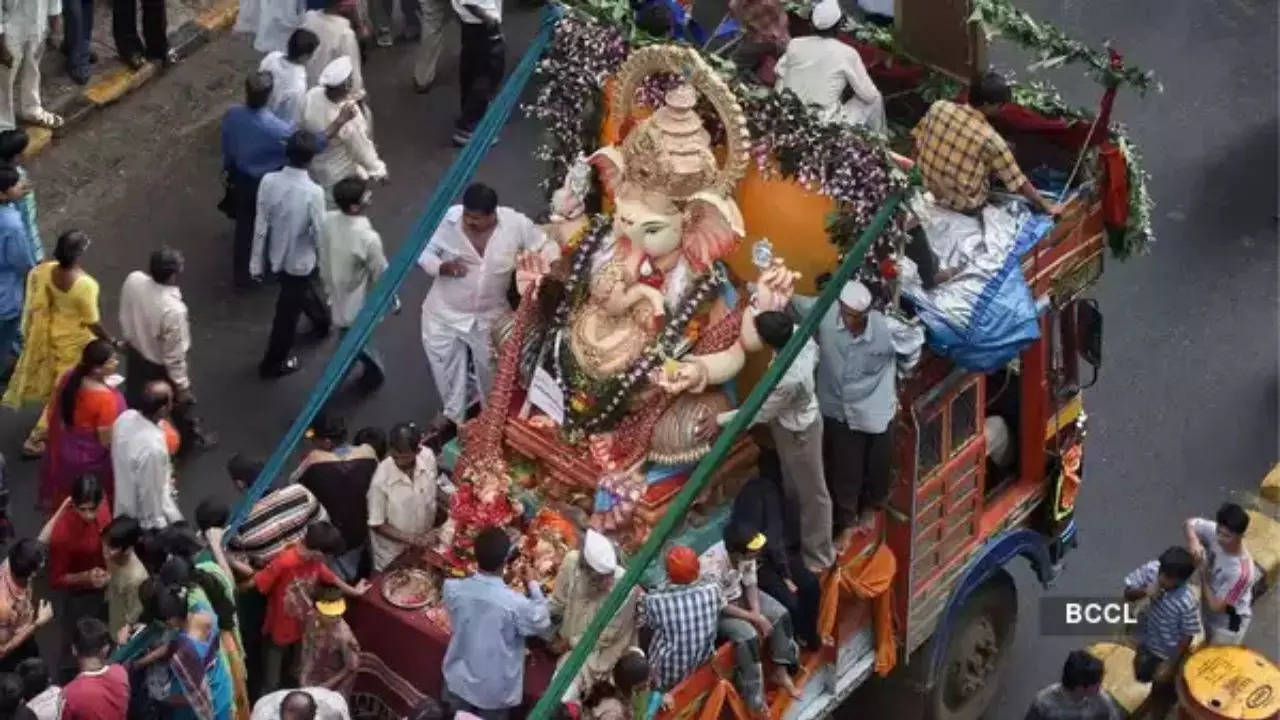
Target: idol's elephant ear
[(712, 228), (609, 166)]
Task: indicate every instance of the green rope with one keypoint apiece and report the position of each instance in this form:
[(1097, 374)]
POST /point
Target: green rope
[(702, 474)]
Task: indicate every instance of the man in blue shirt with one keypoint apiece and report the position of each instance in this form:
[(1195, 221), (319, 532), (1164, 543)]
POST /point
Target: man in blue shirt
[(252, 145), (16, 259), (484, 665)]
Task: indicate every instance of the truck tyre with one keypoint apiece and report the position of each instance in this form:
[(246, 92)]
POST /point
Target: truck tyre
[(977, 652)]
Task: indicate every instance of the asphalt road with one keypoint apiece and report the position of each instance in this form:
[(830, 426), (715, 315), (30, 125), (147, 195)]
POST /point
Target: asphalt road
[(1183, 416)]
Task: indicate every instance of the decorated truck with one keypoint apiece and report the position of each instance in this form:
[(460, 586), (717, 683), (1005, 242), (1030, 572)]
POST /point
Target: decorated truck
[(682, 192)]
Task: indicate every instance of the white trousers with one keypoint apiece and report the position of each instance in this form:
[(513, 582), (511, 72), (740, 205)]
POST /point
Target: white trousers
[(20, 90), (461, 364), (435, 16)]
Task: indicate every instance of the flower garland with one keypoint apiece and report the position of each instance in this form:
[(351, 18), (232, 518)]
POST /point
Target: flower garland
[(1139, 233), (583, 54), (1054, 48)]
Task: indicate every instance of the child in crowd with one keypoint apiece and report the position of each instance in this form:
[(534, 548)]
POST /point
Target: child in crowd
[(288, 582), (39, 693), (374, 437), (11, 705), (630, 696), (330, 651), (1172, 617), (12, 144), (126, 571), (749, 615)]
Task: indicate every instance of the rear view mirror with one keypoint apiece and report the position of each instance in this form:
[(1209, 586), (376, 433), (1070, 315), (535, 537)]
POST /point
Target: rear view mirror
[(1089, 335)]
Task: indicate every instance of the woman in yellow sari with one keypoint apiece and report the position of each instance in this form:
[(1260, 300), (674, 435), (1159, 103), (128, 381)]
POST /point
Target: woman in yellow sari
[(59, 318)]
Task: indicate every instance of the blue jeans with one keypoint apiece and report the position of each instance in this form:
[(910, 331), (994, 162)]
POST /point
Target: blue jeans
[(77, 31)]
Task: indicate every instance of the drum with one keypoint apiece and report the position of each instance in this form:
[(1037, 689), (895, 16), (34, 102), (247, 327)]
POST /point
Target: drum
[(1228, 683)]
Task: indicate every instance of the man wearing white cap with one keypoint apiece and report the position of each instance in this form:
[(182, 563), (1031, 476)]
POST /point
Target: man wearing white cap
[(858, 361), (820, 69), (583, 583), (351, 151)]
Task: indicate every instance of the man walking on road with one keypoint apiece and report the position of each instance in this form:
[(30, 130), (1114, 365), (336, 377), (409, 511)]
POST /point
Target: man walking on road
[(481, 62), (24, 27), (337, 39), (154, 323), (154, 43), (470, 259), (290, 216), (289, 75), (253, 141), (351, 150), (436, 14), (353, 262), (140, 461)]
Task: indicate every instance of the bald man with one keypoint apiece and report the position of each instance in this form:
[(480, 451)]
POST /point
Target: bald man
[(140, 460), (303, 704)]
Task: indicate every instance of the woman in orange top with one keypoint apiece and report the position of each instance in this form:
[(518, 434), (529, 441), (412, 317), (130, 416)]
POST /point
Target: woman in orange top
[(81, 412)]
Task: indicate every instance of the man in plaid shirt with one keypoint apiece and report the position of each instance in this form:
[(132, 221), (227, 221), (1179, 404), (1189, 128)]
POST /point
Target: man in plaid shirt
[(958, 151), (683, 617)]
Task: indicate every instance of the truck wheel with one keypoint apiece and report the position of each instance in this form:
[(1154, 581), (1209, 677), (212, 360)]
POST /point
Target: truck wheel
[(977, 652)]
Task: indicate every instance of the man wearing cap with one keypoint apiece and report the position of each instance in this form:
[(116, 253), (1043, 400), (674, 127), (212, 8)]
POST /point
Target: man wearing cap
[(821, 69), (337, 39), (351, 151), (859, 356), (682, 616), (583, 583)]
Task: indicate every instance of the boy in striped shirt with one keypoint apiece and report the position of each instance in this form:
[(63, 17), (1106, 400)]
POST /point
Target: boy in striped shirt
[(1172, 616)]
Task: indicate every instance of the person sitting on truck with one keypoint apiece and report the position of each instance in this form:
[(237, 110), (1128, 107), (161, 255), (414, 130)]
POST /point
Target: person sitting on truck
[(1079, 696), (1170, 620), (749, 615), (760, 508), (860, 353), (629, 695), (581, 586), (682, 616), (1228, 573), (958, 151), (822, 70)]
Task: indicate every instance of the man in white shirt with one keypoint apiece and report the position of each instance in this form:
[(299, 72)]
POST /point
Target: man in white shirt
[(289, 219), (289, 75), (312, 703), (140, 461), (153, 321), (481, 61), (350, 151), (23, 29), (471, 259), (352, 262), (791, 410), (820, 67), (337, 39), (402, 496)]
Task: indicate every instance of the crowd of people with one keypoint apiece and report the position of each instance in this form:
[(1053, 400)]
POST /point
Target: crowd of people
[(250, 624)]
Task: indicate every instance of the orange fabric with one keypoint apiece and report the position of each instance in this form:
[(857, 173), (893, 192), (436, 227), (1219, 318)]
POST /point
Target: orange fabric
[(1070, 483), (96, 407), (682, 565), (172, 439), (871, 579)]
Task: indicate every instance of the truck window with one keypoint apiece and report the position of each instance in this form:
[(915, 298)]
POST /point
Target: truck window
[(930, 445), (964, 417)]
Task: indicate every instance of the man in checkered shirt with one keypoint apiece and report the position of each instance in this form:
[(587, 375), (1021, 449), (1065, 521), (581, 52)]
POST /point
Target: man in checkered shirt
[(958, 151), (683, 616)]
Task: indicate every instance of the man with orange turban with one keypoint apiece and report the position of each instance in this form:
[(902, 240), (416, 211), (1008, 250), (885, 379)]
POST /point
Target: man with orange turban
[(683, 615)]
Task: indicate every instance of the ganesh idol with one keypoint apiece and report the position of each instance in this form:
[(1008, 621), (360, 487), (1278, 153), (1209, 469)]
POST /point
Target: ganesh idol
[(641, 330)]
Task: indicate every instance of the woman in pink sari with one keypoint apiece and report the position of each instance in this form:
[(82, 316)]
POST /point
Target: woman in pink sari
[(83, 408)]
